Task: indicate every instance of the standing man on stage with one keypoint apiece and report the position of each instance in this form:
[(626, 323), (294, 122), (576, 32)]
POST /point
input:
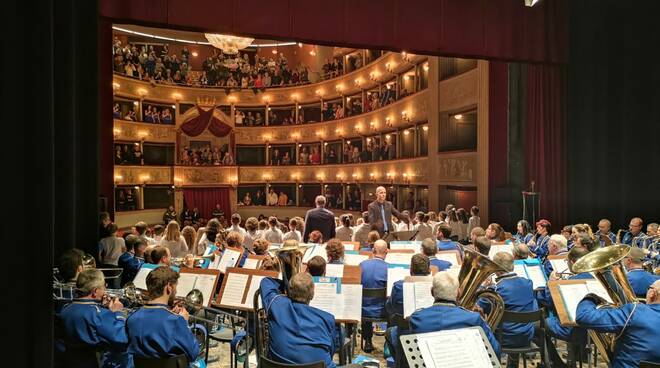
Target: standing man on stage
[(380, 213), (321, 219)]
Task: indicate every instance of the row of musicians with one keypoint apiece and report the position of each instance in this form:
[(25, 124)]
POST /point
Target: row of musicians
[(91, 333)]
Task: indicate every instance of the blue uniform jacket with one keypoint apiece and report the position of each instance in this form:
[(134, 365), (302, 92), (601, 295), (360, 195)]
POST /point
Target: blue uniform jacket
[(156, 332), (575, 334), (639, 332), (394, 304), (374, 275), (628, 238), (449, 245), (131, 266), (299, 333), (441, 264), (640, 280), (541, 247), (86, 323), (523, 239), (547, 266), (447, 316), (518, 296), (609, 235)]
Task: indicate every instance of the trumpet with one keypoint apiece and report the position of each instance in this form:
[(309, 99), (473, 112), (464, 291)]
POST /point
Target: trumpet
[(197, 260), (132, 295)]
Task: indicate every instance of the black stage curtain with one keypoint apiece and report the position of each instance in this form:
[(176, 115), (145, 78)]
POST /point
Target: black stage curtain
[(613, 112)]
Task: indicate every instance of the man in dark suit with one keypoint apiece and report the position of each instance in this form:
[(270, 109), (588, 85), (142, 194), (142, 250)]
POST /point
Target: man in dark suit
[(380, 213), (320, 219)]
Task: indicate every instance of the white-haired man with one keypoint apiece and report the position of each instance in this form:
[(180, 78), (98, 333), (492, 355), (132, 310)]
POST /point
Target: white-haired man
[(557, 245)]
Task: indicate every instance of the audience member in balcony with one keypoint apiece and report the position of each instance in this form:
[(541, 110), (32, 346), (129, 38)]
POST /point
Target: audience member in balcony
[(304, 156), (131, 115), (116, 111), (238, 117), (275, 159), (272, 197), (327, 112), (286, 158), (391, 150), (136, 155), (228, 159), (119, 158), (315, 157), (331, 157), (247, 199), (258, 120), (355, 155), (338, 111), (259, 198), (365, 154), (166, 118), (283, 199)]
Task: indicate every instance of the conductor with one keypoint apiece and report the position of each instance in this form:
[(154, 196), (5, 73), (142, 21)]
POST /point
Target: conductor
[(380, 213)]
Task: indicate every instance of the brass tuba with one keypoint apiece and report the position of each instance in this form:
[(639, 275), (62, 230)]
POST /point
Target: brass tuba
[(606, 265), (476, 268), (289, 258)]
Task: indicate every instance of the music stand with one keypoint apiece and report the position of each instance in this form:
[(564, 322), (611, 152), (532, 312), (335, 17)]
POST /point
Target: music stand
[(531, 206), (401, 235)]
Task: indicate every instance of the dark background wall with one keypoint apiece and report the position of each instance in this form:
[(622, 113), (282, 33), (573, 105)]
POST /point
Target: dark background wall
[(613, 111)]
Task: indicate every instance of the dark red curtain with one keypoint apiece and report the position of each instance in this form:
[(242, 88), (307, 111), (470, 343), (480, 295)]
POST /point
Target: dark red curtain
[(198, 124), (545, 145), (492, 29), (205, 200)]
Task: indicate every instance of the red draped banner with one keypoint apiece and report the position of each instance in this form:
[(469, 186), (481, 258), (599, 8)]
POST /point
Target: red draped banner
[(205, 119)]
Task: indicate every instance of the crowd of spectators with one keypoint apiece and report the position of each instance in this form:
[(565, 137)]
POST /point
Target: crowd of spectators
[(333, 68), (151, 114), (128, 154), (272, 198), (206, 156)]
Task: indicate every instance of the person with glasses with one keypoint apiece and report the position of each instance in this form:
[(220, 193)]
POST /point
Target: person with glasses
[(634, 232)]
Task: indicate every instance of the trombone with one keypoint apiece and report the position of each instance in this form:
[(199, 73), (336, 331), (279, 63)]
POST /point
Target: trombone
[(197, 260)]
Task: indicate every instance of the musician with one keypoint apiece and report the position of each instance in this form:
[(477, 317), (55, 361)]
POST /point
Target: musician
[(520, 251), (495, 233), (539, 245), (476, 232), (557, 245), (316, 266), (170, 215), (639, 279), (235, 240), (635, 324), (161, 256), (604, 230), (567, 232), (518, 295), (424, 230), (419, 266), (155, 330), (299, 333), (89, 326), (524, 232), (634, 231), (362, 231), (430, 249), (273, 234), (482, 245), (585, 240), (334, 250), (132, 259), (374, 275), (444, 243), (381, 212), (141, 232), (69, 267)]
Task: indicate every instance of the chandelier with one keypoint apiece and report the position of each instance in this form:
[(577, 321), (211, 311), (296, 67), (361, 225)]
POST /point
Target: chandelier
[(228, 44)]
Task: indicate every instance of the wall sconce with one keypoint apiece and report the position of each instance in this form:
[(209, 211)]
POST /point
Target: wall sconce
[(390, 177), (294, 97), (231, 99), (372, 176), (357, 82), (116, 132), (404, 116), (295, 136), (406, 57), (178, 182), (319, 133), (115, 86), (320, 178), (339, 88), (233, 181), (340, 177), (406, 132), (406, 178), (368, 140), (266, 178), (145, 179), (295, 177), (266, 99), (339, 132), (390, 67), (387, 136), (118, 179), (374, 76), (373, 125), (355, 177), (142, 92), (177, 96), (357, 128), (426, 67), (388, 121), (143, 134), (425, 128), (319, 93), (267, 137)]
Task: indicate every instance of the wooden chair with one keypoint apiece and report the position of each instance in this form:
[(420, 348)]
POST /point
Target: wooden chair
[(267, 363), (179, 361)]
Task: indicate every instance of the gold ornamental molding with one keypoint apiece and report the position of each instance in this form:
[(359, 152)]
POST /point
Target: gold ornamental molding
[(381, 70), (205, 176), (143, 175), (133, 131), (453, 168), (459, 91)]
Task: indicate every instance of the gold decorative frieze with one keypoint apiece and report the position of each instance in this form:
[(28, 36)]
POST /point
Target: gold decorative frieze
[(381, 70), (457, 168), (139, 175), (133, 131), (460, 91), (205, 175)]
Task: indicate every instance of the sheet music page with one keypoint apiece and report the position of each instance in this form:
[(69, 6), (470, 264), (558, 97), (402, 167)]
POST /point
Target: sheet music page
[(450, 257), (202, 282), (594, 286), (399, 258), (572, 294), (354, 259), (334, 270), (140, 280), (519, 269), (350, 306), (229, 258), (325, 296), (234, 289), (255, 283), (461, 348), (349, 246), (559, 265), (395, 274), (416, 295), (416, 246), (536, 274), (251, 263), (315, 250), (496, 248)]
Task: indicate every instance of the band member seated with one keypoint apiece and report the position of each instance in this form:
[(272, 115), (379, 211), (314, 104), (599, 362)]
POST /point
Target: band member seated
[(539, 243), (334, 250), (374, 275), (132, 259), (299, 333), (635, 325), (430, 249), (518, 296), (70, 266), (316, 266), (89, 326), (482, 245), (634, 232), (235, 240), (419, 266), (604, 235), (557, 245), (161, 256), (640, 280), (155, 330), (444, 314), (444, 243)]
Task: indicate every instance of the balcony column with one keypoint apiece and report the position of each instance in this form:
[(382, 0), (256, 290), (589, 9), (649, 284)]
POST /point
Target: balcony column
[(397, 143), (267, 114), (397, 91), (363, 94), (321, 108), (177, 113), (267, 155), (141, 197), (139, 109), (343, 196), (323, 151), (296, 113), (297, 194), (232, 113), (297, 159)]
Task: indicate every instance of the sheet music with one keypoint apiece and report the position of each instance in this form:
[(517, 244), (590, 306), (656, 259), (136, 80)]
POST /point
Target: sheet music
[(461, 348), (594, 286), (202, 282), (519, 269), (399, 258), (450, 257), (334, 270), (354, 259), (572, 294), (325, 295), (229, 258), (234, 289), (315, 250), (395, 274), (347, 304), (251, 263), (559, 265), (536, 274), (349, 246), (255, 283), (140, 280), (416, 295), (496, 248), (416, 246), (350, 306)]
